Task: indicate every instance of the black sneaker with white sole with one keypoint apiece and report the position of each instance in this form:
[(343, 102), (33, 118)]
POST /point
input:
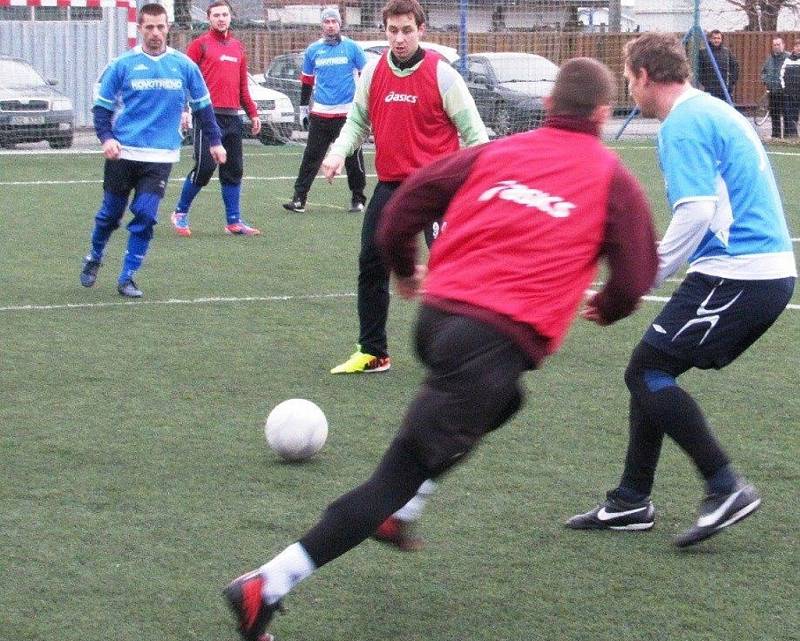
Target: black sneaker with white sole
[(89, 271), (297, 205), (129, 289), (616, 514), (718, 511), (357, 206)]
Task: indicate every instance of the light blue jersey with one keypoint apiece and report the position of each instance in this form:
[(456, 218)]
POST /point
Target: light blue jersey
[(709, 151), (333, 68), (147, 95)]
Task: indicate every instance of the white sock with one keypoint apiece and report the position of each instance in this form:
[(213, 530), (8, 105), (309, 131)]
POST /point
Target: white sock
[(285, 571), (412, 510)]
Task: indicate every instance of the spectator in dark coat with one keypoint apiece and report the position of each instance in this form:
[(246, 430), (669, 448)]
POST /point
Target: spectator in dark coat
[(771, 77), (790, 81), (726, 63)]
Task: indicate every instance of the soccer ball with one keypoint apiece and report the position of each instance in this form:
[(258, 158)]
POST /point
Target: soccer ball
[(296, 429)]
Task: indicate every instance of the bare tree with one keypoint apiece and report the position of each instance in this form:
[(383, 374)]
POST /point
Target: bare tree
[(762, 15)]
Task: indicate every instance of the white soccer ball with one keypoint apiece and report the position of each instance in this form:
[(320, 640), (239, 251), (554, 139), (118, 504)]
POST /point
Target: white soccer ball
[(296, 429)]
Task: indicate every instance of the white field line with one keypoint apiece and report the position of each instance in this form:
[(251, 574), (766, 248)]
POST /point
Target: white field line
[(34, 183), (214, 300), (177, 179), (176, 301)]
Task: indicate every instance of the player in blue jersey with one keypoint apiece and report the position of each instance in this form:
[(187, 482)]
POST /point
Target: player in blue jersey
[(728, 223), (329, 67), (137, 117)]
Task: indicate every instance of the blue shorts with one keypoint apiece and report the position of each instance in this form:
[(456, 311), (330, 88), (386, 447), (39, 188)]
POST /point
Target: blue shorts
[(709, 321), (123, 176)]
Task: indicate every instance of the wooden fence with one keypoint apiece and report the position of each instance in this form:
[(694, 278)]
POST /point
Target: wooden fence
[(750, 49)]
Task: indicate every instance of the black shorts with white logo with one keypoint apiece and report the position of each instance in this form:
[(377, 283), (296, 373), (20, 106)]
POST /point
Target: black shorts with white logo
[(123, 176), (710, 321)]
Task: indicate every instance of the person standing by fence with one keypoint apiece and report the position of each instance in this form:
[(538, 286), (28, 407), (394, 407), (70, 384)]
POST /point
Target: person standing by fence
[(727, 65), (790, 81), (771, 77)]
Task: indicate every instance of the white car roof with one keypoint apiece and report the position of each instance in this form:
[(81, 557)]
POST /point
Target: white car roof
[(259, 92)]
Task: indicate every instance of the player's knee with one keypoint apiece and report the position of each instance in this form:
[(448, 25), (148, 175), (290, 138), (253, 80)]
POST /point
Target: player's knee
[(145, 210), (202, 178), (230, 175), (111, 210), (437, 446), (642, 379), (204, 172)]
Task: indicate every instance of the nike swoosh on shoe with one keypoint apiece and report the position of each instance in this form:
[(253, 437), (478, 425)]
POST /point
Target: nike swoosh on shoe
[(605, 515), (708, 520)]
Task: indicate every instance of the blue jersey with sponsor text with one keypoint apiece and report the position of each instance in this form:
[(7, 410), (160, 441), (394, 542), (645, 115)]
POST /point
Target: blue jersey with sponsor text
[(709, 151), (333, 68), (147, 95)]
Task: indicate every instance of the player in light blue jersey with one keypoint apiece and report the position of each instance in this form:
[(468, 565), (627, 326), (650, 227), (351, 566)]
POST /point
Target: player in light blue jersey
[(728, 223), (137, 117), (329, 68)]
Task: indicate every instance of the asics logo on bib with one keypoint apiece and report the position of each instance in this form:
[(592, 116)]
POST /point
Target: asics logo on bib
[(157, 83), (400, 97), (554, 206)]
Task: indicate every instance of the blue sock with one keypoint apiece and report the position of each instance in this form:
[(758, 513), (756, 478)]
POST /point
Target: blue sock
[(723, 481), (188, 193), (137, 249), (230, 196), (106, 221)]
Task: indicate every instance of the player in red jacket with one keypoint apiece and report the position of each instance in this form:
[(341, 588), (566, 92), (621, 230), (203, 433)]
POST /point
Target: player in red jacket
[(223, 63), (526, 221)]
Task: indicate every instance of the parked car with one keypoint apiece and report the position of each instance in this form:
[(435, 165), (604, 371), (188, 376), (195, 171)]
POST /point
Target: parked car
[(275, 111), (509, 88), (379, 46), (283, 74), (31, 110)]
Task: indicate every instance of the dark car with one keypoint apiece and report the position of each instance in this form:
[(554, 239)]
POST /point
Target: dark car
[(509, 88), (283, 74), (30, 109)]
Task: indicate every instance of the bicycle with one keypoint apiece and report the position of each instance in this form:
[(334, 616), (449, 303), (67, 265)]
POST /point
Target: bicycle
[(761, 111)]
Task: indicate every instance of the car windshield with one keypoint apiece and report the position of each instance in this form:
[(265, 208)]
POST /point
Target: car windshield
[(524, 69), (15, 74)]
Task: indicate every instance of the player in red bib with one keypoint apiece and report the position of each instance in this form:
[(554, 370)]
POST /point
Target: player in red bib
[(526, 221), (417, 106)]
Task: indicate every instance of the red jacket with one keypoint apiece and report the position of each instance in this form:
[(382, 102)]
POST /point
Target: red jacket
[(526, 221), (410, 125), (223, 63)]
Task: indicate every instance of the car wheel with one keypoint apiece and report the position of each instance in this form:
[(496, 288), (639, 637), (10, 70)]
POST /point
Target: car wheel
[(62, 142)]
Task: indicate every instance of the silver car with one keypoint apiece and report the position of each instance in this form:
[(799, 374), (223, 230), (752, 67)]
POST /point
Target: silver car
[(31, 109)]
